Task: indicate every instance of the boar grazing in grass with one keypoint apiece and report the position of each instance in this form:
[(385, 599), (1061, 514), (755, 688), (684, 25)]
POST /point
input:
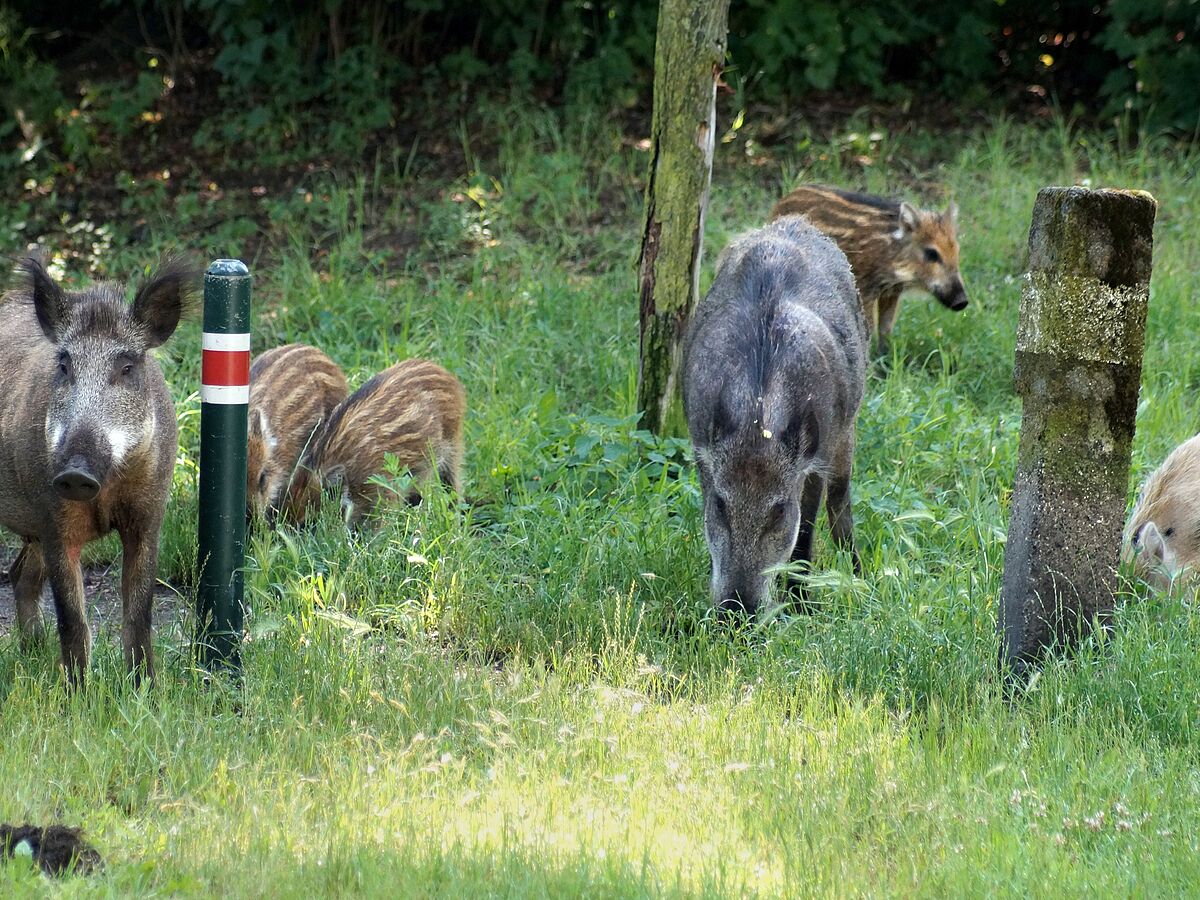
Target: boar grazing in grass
[(293, 391), (413, 411), (892, 246), (87, 445), (1163, 533), (773, 375)]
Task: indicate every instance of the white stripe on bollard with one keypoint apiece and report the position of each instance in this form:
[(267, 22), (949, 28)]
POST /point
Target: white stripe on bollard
[(225, 394), (213, 341)]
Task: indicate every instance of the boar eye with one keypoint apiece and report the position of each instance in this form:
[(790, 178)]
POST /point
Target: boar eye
[(127, 369), (932, 256), (776, 516), (64, 363), (1169, 532)]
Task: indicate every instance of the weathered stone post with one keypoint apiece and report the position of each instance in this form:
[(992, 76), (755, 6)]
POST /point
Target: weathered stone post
[(689, 54), (1078, 367)]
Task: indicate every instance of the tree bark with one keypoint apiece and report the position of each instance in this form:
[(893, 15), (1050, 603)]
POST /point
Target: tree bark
[(688, 57)]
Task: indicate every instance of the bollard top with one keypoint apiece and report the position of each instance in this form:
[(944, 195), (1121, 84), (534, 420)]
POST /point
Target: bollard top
[(1099, 233), (228, 268), (227, 297), (1089, 272)]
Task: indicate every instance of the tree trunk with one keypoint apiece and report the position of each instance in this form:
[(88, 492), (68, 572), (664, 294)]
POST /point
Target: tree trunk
[(688, 57)]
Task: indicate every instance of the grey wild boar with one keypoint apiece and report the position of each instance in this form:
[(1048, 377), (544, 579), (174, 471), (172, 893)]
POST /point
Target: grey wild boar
[(773, 375), (87, 445), (413, 410), (1162, 537), (892, 246), (293, 391)]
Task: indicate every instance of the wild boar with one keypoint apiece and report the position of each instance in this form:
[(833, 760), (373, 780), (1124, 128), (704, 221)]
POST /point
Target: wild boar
[(293, 391), (413, 410), (87, 445), (773, 374), (892, 246), (1162, 537)]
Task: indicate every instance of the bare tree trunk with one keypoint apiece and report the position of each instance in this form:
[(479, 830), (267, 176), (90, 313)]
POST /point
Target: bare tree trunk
[(688, 57)]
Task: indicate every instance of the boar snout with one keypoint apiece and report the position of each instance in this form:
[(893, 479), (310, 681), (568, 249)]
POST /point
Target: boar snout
[(736, 602), (954, 295), (77, 481), (743, 594), (82, 467)]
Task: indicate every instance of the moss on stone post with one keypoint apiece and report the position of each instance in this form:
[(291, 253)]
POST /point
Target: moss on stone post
[(688, 57), (1078, 368)]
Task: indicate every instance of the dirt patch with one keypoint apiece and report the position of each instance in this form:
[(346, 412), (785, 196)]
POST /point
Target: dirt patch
[(101, 591)]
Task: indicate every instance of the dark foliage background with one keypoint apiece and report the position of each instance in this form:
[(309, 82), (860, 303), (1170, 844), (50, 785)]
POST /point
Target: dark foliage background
[(72, 76)]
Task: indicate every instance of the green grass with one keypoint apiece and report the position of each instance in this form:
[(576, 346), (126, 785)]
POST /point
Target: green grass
[(529, 698)]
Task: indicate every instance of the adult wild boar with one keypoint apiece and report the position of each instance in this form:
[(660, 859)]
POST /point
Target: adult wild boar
[(87, 445), (773, 375)]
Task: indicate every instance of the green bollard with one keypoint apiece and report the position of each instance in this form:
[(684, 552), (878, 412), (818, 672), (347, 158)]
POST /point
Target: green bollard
[(224, 398)]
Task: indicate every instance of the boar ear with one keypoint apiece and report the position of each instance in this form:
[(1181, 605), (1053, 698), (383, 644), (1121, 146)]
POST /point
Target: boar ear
[(802, 437), (50, 302), (1152, 543), (163, 300), (950, 216), (908, 218)]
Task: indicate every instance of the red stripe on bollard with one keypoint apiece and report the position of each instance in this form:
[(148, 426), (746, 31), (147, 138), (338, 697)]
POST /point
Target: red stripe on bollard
[(225, 367)]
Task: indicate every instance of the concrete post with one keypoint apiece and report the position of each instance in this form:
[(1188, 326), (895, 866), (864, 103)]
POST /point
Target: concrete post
[(1078, 368)]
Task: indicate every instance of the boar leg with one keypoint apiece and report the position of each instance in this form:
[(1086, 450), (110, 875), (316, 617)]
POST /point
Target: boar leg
[(139, 567), (802, 553), (870, 310), (889, 305), (66, 583), (448, 474), (28, 575), (810, 504), (837, 502)]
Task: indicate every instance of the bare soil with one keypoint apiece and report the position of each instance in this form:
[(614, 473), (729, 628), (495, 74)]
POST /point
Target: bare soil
[(102, 590)]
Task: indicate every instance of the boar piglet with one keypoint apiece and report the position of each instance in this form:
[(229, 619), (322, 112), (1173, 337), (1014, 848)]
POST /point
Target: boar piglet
[(87, 445), (892, 246), (1162, 536), (293, 391), (773, 375), (413, 411)]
